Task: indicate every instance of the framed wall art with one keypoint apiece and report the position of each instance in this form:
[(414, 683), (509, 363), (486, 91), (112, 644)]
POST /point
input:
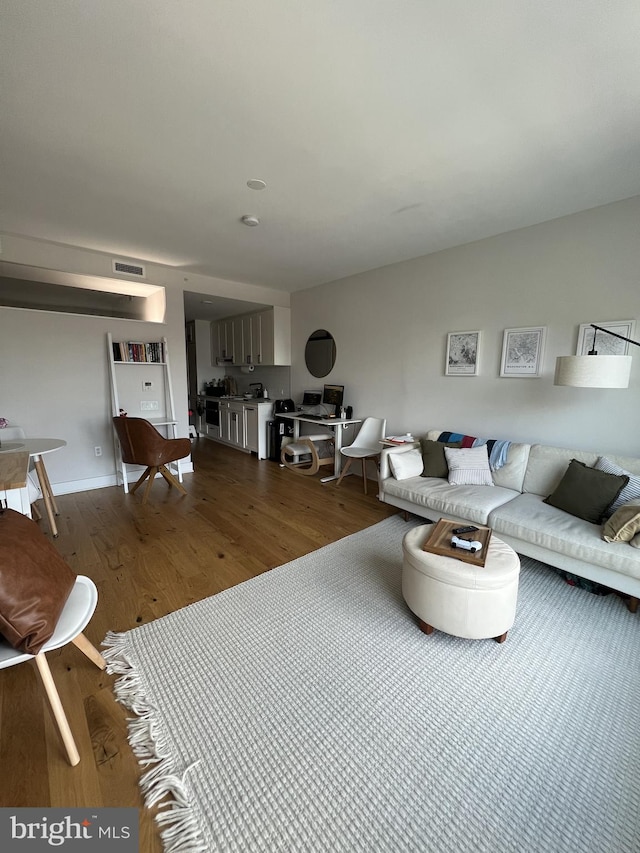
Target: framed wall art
[(605, 344), (463, 351), (523, 351)]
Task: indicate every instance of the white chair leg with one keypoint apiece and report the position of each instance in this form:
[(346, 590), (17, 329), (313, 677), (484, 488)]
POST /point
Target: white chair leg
[(89, 650), (58, 711)]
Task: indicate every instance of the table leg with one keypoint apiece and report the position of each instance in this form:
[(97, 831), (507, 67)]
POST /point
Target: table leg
[(49, 504), (337, 456), (49, 489)]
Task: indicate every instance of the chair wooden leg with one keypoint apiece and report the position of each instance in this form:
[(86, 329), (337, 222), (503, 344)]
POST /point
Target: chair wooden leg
[(344, 470), (501, 638), (364, 473), (58, 711), (140, 481), (88, 649), (171, 479), (632, 604), (152, 475)]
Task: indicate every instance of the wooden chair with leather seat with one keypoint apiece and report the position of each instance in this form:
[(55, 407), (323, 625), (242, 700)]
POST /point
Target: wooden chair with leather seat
[(142, 444)]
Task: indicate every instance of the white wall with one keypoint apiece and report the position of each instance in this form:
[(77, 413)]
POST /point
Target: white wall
[(391, 327), (54, 378)]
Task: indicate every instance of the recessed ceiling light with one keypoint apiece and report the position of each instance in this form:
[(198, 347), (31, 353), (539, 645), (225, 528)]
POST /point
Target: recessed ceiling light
[(250, 220), (256, 184)]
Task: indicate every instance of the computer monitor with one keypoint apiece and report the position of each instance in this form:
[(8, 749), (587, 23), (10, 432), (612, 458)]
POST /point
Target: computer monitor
[(333, 395)]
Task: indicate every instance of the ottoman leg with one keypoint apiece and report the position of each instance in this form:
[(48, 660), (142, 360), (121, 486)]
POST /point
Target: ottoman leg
[(427, 629), (501, 638)]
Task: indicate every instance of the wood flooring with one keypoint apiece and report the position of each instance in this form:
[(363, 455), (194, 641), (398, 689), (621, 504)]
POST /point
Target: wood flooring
[(240, 517)]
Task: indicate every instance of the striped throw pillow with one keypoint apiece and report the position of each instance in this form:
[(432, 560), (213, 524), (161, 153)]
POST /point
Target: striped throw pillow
[(469, 466), (631, 491)]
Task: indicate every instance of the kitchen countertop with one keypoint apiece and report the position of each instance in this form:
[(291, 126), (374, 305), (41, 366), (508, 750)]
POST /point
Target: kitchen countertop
[(238, 398)]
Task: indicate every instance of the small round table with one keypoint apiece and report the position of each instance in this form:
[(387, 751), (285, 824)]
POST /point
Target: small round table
[(36, 448), (459, 598)]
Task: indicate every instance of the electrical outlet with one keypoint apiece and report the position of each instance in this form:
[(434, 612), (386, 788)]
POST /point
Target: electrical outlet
[(149, 405), (97, 451)]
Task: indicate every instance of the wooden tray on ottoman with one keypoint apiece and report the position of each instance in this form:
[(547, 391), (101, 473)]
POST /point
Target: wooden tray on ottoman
[(439, 542)]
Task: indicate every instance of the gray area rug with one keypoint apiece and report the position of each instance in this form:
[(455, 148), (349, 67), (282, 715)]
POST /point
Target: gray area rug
[(304, 710)]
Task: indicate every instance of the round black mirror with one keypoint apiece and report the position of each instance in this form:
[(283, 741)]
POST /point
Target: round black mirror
[(320, 353)]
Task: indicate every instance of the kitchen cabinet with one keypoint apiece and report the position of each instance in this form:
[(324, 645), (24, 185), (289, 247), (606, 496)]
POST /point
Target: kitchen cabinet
[(243, 424), (223, 346), (257, 337), (250, 427)]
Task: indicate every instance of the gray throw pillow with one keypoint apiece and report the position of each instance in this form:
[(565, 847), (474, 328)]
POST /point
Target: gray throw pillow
[(586, 492), (433, 458)]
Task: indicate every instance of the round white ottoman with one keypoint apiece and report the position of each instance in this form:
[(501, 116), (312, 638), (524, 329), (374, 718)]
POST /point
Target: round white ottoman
[(460, 598)]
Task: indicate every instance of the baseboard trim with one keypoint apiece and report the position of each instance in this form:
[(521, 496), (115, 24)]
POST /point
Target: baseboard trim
[(92, 483)]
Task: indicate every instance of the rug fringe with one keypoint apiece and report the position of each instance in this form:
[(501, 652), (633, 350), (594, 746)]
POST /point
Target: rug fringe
[(159, 785)]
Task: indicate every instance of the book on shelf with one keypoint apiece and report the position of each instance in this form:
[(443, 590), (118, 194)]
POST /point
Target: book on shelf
[(139, 352)]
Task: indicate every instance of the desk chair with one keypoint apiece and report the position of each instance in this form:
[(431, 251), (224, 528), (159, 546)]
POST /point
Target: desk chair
[(142, 444), (366, 445), (74, 618)]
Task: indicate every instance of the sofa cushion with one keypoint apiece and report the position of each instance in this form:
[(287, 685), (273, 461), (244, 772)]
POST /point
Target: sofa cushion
[(511, 474), (468, 466), (434, 460), (406, 465), (586, 492), (470, 503), (529, 519), (35, 583), (635, 542), (629, 493), (623, 525), (547, 466)]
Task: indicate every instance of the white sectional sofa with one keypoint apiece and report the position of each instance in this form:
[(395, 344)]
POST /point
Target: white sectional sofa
[(515, 510)]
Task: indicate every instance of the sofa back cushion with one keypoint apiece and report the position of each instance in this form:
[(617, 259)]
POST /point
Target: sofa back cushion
[(547, 466), (511, 474)]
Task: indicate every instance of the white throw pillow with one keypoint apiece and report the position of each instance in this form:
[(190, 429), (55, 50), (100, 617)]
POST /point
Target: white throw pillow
[(468, 466), (406, 465)]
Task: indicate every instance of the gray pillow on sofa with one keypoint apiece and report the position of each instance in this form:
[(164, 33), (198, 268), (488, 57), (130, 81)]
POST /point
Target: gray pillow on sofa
[(586, 492)]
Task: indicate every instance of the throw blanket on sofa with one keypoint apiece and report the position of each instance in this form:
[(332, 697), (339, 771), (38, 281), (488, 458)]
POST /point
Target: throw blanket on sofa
[(496, 448)]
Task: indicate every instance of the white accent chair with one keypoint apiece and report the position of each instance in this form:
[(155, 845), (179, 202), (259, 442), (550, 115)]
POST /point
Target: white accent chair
[(366, 445), (75, 616)]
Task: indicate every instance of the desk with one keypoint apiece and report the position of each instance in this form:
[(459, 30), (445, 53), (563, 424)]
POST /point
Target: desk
[(335, 424), (36, 448)]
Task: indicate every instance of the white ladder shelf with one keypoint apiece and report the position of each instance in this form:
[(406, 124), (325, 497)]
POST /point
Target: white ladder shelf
[(168, 421)]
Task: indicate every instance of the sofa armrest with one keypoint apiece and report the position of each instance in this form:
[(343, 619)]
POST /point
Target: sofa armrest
[(385, 469)]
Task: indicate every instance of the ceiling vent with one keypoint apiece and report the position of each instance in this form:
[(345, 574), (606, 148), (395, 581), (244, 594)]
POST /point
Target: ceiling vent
[(126, 268)]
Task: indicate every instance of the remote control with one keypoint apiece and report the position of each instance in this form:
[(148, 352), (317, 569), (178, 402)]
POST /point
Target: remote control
[(468, 529)]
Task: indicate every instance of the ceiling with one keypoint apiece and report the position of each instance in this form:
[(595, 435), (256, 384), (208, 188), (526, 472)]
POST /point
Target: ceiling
[(383, 130)]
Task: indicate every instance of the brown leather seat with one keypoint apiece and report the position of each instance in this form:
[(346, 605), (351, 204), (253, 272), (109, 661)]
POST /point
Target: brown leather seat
[(142, 444)]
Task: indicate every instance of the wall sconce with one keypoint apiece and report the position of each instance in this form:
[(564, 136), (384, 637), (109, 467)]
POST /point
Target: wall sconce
[(603, 371)]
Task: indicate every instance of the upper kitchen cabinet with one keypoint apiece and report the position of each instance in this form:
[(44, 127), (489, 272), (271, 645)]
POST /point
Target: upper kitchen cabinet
[(260, 337)]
